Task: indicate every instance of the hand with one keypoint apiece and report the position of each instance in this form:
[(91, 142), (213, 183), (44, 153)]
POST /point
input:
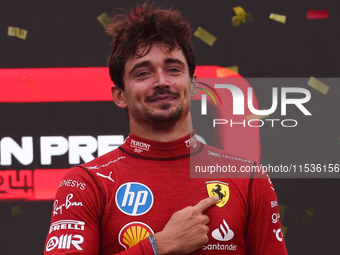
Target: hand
[(187, 229)]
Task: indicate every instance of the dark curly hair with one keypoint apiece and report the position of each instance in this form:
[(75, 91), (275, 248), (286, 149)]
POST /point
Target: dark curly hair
[(140, 28)]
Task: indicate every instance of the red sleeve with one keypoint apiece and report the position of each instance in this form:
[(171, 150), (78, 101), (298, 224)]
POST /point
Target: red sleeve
[(264, 233), (76, 217)]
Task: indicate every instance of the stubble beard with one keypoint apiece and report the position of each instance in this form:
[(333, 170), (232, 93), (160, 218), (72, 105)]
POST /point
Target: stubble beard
[(167, 118)]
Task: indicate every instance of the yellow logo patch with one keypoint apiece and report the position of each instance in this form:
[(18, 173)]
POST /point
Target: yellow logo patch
[(219, 189), (133, 233)]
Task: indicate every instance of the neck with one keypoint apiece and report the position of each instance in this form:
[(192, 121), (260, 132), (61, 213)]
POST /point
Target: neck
[(164, 132)]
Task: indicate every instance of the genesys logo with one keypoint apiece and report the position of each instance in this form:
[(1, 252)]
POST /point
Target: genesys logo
[(65, 242), (132, 233), (67, 224), (301, 96), (134, 198), (73, 184)]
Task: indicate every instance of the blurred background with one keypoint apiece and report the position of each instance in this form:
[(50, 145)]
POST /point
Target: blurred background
[(68, 34)]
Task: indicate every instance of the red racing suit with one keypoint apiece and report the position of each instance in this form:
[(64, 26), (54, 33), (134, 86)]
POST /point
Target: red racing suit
[(113, 203)]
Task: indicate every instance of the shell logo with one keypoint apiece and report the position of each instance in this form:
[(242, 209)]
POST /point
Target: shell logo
[(132, 233)]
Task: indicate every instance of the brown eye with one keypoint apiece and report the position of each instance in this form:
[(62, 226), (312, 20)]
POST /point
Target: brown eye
[(141, 74), (174, 70)]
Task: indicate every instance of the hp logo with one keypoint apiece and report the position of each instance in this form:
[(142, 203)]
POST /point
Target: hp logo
[(134, 198)]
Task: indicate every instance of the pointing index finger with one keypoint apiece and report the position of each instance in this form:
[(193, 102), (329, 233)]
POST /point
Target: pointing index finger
[(204, 204)]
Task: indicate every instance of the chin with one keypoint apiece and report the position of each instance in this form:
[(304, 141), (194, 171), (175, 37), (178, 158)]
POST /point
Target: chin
[(165, 116)]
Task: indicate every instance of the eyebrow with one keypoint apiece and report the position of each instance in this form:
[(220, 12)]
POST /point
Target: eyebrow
[(139, 65), (148, 63), (174, 61)]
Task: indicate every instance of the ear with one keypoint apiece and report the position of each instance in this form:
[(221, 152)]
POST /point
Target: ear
[(193, 86), (118, 96)]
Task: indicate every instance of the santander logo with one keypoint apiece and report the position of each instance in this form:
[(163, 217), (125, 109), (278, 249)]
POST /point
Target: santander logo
[(224, 233)]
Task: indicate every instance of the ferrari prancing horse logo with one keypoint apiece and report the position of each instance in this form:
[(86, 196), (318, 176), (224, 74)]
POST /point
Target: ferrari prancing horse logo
[(219, 189)]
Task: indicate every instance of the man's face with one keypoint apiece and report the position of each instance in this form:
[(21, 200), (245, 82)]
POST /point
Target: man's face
[(157, 87)]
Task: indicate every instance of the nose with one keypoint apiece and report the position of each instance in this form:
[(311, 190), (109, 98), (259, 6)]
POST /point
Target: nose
[(161, 81)]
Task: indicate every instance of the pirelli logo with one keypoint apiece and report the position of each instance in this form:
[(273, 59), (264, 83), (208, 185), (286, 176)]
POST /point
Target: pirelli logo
[(67, 224)]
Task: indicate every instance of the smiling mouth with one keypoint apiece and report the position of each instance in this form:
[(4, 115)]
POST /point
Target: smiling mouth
[(162, 96), (162, 99)]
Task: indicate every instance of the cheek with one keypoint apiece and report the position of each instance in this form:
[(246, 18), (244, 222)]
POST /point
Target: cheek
[(137, 97)]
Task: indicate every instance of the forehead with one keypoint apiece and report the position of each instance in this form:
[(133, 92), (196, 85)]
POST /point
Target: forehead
[(157, 53)]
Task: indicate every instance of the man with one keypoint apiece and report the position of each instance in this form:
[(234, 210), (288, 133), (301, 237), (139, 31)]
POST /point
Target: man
[(139, 198)]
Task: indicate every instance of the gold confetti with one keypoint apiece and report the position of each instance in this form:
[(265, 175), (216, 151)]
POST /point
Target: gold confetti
[(225, 72), (233, 68), (16, 210), (104, 19), (282, 211), (241, 16), (318, 85), (284, 230), (239, 11), (254, 116), (205, 36), (236, 21), (307, 217), (17, 32), (278, 17), (12, 31)]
